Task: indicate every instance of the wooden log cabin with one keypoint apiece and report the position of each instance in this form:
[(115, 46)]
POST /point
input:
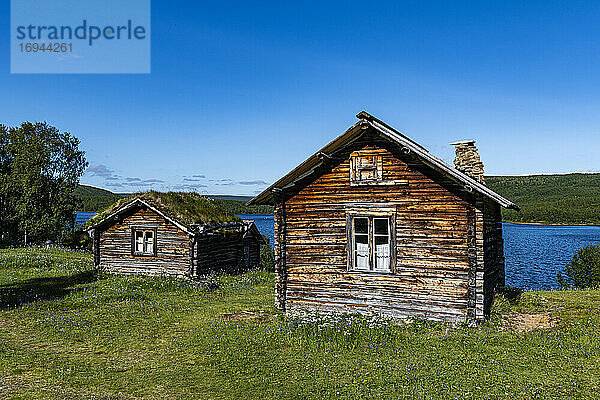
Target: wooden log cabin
[(180, 234), (373, 223)]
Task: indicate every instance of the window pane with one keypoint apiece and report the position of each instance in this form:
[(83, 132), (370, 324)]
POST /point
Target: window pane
[(361, 225), (361, 250), (381, 240), (381, 226), (382, 256), (149, 248), (366, 161), (139, 242), (362, 239), (366, 175), (382, 253)]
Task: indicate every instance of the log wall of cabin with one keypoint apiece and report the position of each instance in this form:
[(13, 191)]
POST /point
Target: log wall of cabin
[(224, 252), (172, 246), (432, 251), (480, 266), (280, 268), (254, 255), (493, 253)]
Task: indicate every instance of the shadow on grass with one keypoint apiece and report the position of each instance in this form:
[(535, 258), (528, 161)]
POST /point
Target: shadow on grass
[(37, 289)]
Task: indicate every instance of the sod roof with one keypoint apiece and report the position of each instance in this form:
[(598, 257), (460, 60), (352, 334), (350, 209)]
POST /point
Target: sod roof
[(187, 208)]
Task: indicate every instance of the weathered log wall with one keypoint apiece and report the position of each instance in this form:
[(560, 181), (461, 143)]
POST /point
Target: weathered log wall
[(177, 252), (224, 252), (280, 266), (172, 246), (493, 253), (440, 270)]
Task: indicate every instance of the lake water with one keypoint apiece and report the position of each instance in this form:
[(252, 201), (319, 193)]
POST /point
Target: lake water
[(81, 218), (534, 253)]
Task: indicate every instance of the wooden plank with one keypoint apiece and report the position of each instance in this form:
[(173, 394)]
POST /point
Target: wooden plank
[(431, 245)]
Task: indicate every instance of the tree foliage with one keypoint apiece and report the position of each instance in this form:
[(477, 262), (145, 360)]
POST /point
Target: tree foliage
[(4, 170), (583, 271), (267, 256), (240, 207), (39, 169), (551, 199), (94, 199)]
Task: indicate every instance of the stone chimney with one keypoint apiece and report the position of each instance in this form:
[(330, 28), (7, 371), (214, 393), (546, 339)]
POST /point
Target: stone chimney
[(467, 159)]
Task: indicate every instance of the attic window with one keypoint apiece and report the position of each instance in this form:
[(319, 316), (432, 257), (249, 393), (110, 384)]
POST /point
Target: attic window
[(143, 242), (366, 168)]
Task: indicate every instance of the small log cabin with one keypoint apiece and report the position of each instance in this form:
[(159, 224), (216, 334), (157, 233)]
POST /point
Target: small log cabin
[(373, 223), (180, 234)]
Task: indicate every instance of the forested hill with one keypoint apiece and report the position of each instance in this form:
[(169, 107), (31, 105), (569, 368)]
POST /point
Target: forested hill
[(551, 199), (237, 205), (95, 199)]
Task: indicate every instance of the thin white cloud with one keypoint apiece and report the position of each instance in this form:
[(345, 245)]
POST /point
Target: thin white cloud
[(251, 183), (100, 170)]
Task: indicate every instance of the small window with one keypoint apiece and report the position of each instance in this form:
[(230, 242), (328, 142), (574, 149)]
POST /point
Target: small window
[(362, 254), (144, 242), (139, 241), (371, 244), (365, 169), (149, 243)]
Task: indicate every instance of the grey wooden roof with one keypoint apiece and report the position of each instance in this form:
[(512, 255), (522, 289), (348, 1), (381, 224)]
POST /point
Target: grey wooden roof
[(368, 121)]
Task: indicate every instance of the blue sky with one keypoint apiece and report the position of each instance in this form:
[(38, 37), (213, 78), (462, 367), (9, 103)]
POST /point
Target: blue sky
[(33, 21), (240, 92)]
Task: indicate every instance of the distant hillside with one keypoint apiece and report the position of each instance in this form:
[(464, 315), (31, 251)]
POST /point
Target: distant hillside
[(95, 199), (552, 199), (237, 205), (230, 197)]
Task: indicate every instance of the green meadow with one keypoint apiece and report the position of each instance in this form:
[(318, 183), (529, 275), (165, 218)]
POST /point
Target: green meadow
[(68, 332)]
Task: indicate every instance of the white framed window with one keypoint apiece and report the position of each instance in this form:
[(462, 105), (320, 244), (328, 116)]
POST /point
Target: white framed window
[(371, 243), (381, 244), (143, 242)]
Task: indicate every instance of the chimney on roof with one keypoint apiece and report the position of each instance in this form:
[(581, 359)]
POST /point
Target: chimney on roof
[(467, 159)]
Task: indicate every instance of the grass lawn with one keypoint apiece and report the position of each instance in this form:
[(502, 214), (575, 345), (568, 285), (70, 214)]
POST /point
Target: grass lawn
[(68, 333)]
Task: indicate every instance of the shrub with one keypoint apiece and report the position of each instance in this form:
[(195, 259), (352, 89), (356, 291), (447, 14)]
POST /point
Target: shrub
[(583, 271), (267, 256), (78, 240), (7, 241)]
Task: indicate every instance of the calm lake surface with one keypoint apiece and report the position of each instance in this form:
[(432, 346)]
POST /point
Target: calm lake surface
[(534, 253), (81, 217)]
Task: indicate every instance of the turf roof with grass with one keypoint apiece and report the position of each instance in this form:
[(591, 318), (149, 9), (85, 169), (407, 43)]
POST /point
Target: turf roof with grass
[(187, 208)]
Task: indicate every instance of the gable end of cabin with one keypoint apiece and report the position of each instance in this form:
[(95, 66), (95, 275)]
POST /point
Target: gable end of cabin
[(374, 230)]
